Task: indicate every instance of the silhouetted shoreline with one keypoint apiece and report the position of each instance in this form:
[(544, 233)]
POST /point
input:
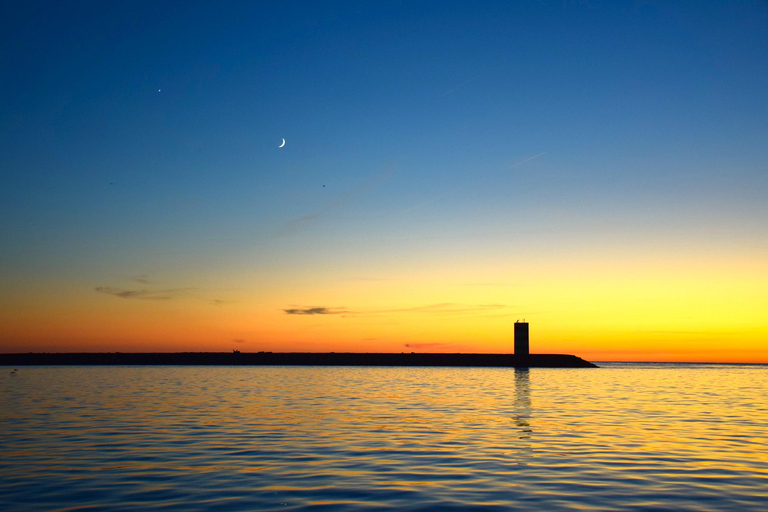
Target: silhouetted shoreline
[(297, 359)]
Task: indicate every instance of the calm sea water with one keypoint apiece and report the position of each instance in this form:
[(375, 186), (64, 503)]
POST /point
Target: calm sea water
[(623, 437)]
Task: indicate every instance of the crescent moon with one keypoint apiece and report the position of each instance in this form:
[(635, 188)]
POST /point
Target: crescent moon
[(283, 144)]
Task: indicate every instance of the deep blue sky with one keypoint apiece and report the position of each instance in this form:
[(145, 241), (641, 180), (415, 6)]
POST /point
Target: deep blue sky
[(140, 138)]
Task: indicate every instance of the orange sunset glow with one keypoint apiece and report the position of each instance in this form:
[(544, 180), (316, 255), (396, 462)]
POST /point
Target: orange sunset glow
[(369, 192), (631, 310)]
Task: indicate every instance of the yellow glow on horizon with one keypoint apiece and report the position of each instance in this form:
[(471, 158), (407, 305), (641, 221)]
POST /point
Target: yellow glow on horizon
[(639, 311)]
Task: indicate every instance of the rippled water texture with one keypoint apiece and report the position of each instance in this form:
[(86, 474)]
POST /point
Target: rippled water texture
[(623, 437)]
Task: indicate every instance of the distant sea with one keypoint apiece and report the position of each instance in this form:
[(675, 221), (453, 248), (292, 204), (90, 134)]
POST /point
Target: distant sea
[(626, 436)]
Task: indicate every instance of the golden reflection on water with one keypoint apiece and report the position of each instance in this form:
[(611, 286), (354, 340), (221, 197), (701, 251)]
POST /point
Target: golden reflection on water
[(523, 402), (612, 438)]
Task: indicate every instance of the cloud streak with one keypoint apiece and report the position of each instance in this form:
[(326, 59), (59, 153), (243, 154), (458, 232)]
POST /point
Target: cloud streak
[(445, 308), (431, 345), (317, 310), (141, 278), (521, 162), (457, 87), (341, 200), (143, 294), (672, 332)]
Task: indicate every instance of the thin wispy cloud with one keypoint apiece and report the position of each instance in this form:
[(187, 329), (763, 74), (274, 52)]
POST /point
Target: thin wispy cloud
[(431, 345), (446, 308), (457, 87), (423, 203), (521, 162), (340, 200), (317, 310), (672, 332), (363, 279), (141, 278), (144, 294)]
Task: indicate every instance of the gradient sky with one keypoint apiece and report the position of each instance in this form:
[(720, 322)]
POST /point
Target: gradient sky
[(597, 168)]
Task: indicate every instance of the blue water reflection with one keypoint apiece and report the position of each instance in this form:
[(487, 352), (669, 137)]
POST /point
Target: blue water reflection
[(349, 438)]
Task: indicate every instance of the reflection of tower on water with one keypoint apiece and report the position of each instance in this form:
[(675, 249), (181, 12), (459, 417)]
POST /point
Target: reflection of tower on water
[(523, 402)]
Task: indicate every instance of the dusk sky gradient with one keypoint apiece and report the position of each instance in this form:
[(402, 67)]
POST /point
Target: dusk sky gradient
[(597, 168)]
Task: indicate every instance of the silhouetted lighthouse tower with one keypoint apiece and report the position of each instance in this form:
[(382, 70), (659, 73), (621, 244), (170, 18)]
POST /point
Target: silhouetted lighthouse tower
[(521, 339)]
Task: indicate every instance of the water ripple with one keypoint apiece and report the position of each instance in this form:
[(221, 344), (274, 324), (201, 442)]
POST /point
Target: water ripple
[(627, 437)]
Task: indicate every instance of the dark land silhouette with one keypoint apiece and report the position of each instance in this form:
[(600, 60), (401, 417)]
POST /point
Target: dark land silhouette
[(298, 359)]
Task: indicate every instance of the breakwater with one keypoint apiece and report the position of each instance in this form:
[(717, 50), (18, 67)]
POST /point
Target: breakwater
[(298, 359)]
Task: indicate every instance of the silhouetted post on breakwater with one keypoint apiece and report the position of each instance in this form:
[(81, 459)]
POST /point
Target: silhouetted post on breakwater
[(522, 349)]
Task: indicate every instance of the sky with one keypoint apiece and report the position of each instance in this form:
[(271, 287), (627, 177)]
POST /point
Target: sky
[(597, 168)]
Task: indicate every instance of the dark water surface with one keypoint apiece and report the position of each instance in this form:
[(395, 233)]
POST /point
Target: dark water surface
[(623, 437)]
